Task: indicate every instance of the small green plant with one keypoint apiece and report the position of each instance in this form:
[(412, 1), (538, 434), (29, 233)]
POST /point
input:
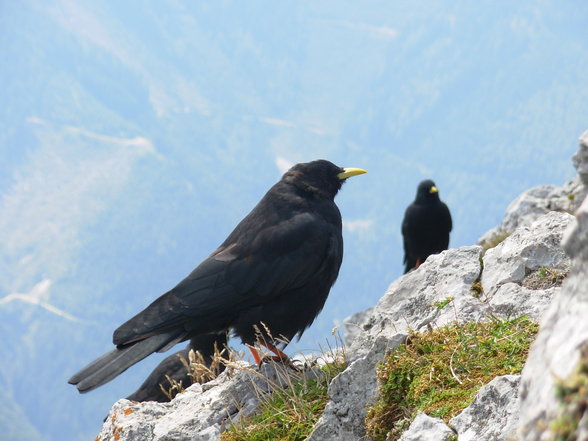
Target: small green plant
[(572, 393), (443, 303), (439, 372)]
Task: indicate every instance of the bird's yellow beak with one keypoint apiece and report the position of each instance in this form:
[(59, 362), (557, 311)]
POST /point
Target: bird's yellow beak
[(348, 172), (433, 190)]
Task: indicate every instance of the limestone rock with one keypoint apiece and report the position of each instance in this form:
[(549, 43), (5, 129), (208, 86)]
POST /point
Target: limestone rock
[(435, 294), (426, 428), (557, 348), (201, 412), (493, 415), (576, 237), (527, 249), (349, 394), (580, 159), (352, 324), (514, 300)]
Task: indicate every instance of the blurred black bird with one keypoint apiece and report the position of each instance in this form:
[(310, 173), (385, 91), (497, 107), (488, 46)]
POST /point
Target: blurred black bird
[(266, 282), (173, 368), (426, 226)]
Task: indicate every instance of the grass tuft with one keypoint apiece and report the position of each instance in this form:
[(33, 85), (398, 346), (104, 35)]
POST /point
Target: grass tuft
[(288, 413), (295, 402), (199, 370), (439, 372)]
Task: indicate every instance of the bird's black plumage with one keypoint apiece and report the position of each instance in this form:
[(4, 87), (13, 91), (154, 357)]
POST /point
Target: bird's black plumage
[(172, 367), (275, 268), (426, 226)]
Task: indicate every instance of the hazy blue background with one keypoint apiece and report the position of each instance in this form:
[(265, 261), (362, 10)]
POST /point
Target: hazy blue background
[(134, 136)]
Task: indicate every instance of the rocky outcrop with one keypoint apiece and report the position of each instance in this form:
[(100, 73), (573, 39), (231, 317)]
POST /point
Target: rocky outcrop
[(533, 203), (409, 302), (559, 350), (493, 415), (519, 276), (441, 291), (528, 249), (202, 411)]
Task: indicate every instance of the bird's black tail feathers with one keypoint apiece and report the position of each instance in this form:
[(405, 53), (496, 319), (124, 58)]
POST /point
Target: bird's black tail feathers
[(113, 363)]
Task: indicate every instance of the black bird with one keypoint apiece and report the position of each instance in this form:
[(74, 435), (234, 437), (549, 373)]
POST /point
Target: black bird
[(426, 226), (173, 367), (266, 282)]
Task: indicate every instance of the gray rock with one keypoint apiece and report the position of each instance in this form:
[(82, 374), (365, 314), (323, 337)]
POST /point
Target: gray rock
[(426, 428), (580, 159), (583, 428), (556, 350), (493, 415), (416, 300), (200, 413), (352, 324), (349, 394), (127, 420), (527, 249), (534, 203), (576, 237), (514, 300)]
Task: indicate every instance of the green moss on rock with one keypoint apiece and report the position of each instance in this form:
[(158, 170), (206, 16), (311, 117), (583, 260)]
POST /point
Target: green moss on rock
[(439, 372)]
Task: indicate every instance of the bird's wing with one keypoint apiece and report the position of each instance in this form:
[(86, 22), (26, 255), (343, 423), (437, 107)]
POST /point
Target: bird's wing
[(448, 220), (281, 257), (408, 230), (408, 220)]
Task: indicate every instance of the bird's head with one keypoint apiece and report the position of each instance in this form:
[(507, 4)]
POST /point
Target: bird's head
[(427, 190), (321, 176)]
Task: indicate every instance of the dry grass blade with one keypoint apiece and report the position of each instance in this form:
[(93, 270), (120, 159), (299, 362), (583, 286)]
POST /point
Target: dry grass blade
[(201, 370)]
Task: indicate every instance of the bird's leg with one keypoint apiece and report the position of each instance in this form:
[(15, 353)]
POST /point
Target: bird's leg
[(280, 356), (256, 357), (418, 263)]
